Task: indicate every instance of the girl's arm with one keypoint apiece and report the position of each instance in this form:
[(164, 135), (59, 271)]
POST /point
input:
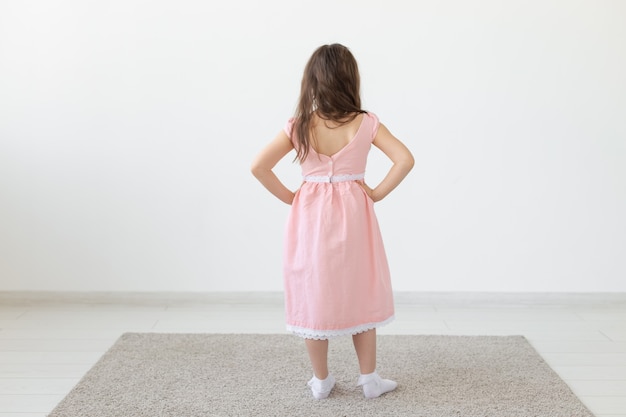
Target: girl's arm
[(402, 163), (266, 160)]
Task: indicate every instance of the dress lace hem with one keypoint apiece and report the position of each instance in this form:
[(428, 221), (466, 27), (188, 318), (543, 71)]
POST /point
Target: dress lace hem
[(327, 334)]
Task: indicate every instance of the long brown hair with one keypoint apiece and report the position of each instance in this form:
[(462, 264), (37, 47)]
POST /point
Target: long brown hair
[(331, 89)]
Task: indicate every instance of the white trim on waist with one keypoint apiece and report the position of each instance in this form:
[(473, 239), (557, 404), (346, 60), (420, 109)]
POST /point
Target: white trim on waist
[(333, 178)]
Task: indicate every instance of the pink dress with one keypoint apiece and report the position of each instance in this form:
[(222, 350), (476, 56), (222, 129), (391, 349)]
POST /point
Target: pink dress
[(335, 269)]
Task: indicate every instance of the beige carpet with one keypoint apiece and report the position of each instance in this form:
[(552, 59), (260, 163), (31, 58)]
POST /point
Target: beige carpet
[(189, 375)]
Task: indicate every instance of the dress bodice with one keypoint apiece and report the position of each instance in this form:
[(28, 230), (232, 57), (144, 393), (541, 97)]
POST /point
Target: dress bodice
[(348, 161)]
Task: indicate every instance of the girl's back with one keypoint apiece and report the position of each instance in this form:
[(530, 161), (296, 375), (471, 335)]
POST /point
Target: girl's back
[(331, 137)]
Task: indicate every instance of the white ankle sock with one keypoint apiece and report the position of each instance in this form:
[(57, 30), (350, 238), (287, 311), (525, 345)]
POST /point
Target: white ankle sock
[(374, 386), (321, 387)]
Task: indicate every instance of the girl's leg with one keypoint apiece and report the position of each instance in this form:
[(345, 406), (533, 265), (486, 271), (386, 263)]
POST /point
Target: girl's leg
[(365, 346), (373, 385), (318, 353), (322, 382)]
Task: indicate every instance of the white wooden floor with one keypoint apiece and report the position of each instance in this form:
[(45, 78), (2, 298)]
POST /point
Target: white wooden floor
[(49, 341)]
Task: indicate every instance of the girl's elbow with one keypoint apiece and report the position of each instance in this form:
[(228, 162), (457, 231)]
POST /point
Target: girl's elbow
[(258, 171), (409, 162)]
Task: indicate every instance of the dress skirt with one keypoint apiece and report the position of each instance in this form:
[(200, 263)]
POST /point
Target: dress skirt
[(336, 275)]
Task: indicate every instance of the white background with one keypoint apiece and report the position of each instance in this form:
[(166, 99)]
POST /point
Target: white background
[(127, 128)]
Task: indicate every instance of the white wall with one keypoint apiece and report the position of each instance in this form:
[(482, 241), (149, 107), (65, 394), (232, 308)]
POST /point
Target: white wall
[(127, 128)]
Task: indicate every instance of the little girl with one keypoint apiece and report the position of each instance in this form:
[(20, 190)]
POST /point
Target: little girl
[(335, 268)]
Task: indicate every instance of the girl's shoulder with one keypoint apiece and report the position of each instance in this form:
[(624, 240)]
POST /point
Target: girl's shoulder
[(373, 122), (372, 117), (288, 128)]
